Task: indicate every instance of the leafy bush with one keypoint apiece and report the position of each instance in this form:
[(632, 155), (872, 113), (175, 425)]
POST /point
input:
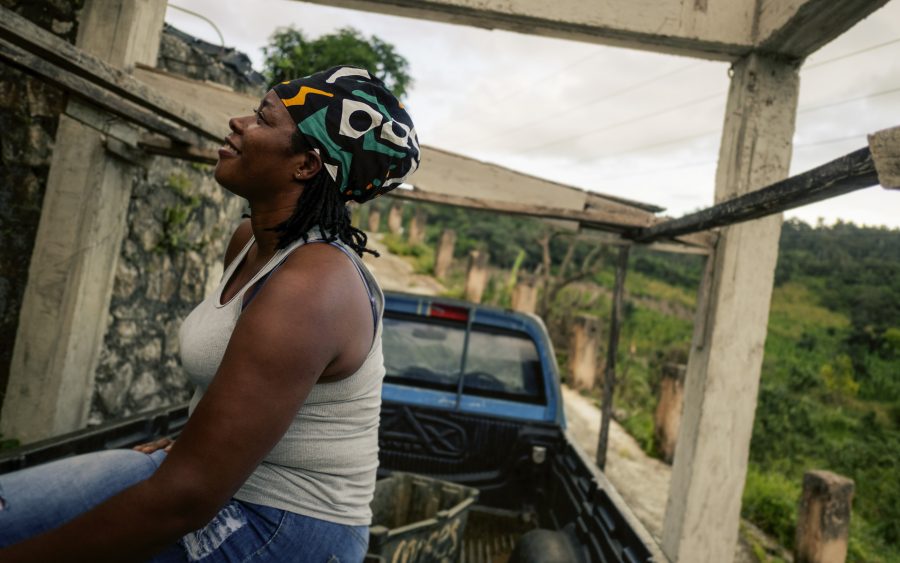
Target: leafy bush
[(770, 501)]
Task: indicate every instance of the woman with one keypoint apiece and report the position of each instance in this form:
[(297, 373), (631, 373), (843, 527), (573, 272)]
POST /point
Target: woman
[(278, 459)]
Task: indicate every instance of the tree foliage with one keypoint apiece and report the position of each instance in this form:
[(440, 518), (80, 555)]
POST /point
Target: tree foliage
[(290, 54)]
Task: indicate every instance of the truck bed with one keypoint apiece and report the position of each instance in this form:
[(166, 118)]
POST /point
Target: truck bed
[(529, 476)]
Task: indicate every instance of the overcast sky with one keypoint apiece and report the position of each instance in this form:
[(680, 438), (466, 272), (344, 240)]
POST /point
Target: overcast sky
[(628, 123)]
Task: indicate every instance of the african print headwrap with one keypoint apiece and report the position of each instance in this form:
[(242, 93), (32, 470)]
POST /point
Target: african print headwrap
[(364, 135)]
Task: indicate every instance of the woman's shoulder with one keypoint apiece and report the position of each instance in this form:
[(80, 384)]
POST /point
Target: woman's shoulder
[(238, 240)]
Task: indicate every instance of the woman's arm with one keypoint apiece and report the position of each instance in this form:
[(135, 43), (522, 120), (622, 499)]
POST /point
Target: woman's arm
[(312, 314)]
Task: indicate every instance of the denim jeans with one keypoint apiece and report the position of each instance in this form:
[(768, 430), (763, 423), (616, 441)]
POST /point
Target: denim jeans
[(38, 499)]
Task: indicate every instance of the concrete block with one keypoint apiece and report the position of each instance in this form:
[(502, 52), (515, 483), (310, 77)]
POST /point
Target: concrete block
[(444, 256), (476, 275), (823, 523), (584, 339)]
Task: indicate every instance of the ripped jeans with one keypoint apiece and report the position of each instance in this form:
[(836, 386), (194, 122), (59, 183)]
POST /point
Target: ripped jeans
[(40, 498)]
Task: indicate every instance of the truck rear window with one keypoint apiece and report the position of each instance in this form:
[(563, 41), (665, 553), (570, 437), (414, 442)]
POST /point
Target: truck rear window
[(428, 353)]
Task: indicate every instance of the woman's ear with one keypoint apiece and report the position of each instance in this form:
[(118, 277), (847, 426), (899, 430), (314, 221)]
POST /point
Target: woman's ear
[(307, 166)]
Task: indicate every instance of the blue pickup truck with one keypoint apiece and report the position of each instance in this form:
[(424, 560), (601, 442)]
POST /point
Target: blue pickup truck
[(471, 398)]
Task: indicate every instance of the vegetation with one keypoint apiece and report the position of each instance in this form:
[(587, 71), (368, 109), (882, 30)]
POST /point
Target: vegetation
[(829, 395), (290, 54)]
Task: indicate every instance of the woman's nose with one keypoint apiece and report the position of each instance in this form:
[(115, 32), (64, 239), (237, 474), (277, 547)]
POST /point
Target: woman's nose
[(235, 125)]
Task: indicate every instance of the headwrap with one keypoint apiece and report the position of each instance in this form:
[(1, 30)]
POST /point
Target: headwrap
[(366, 139)]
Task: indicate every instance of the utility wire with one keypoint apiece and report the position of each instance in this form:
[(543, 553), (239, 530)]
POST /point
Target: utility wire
[(848, 100), (679, 106), (629, 121), (202, 17), (519, 91), (591, 102), (853, 54)]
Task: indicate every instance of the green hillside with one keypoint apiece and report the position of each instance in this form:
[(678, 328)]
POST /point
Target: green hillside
[(830, 389)]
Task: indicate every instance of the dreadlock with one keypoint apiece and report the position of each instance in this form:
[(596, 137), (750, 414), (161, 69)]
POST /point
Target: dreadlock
[(320, 204)]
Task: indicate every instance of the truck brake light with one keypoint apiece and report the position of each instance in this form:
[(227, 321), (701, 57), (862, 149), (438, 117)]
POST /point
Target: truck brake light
[(449, 312)]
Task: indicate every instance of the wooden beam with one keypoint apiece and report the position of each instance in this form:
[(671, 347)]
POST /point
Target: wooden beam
[(65, 306), (60, 56), (699, 28), (91, 93), (596, 218), (848, 173), (798, 28), (609, 374)]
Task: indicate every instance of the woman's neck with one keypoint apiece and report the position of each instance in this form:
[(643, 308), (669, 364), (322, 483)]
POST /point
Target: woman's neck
[(263, 224), (265, 216)]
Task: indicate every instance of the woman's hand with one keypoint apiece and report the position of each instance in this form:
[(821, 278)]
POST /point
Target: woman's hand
[(150, 447)]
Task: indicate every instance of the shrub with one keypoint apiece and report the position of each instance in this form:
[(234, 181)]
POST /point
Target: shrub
[(770, 501)]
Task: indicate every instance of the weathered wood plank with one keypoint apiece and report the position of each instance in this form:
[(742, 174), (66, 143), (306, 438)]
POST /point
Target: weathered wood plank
[(595, 218), (60, 54), (885, 147), (848, 173), (91, 92)]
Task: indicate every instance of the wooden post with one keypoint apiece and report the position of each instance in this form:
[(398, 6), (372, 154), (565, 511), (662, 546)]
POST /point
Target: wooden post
[(444, 257), (667, 417), (823, 524), (374, 220), (417, 227), (524, 297), (722, 379), (609, 376), (476, 276), (66, 302), (583, 351), (395, 219)]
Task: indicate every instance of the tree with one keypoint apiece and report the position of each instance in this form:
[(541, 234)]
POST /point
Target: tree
[(290, 54)]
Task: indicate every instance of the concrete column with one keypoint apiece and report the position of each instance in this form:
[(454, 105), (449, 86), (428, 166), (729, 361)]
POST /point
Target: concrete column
[(823, 524), (584, 336), (374, 220), (395, 219), (476, 275), (524, 296), (667, 417), (444, 257), (722, 380), (79, 238), (417, 227)]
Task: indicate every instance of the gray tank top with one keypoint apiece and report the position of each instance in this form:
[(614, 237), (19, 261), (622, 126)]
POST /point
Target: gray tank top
[(324, 466)]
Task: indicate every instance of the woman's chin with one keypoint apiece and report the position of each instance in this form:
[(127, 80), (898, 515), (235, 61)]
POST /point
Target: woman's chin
[(221, 177)]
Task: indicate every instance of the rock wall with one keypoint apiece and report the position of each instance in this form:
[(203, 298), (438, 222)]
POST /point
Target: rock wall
[(179, 221), (29, 115)]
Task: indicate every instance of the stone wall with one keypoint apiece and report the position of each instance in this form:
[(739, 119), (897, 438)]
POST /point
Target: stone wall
[(29, 115), (179, 221)]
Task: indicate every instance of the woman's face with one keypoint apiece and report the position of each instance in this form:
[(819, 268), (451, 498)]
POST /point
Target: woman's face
[(257, 161)]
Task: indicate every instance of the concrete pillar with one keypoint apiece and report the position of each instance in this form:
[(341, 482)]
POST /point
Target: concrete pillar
[(374, 220), (524, 296), (476, 275), (444, 257), (667, 417), (823, 524), (585, 334), (70, 277), (395, 219), (722, 380), (417, 227)]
